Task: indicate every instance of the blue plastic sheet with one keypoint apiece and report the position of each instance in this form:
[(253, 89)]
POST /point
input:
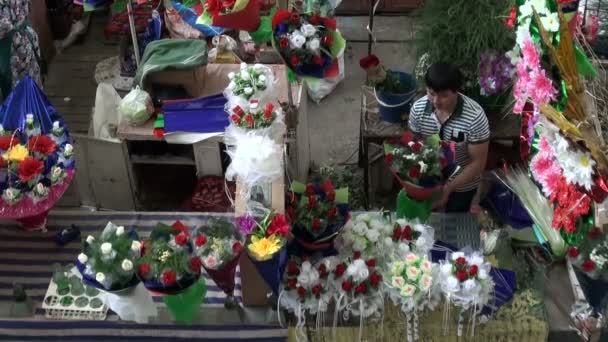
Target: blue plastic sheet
[(202, 115), (272, 270), (190, 17), (503, 203)]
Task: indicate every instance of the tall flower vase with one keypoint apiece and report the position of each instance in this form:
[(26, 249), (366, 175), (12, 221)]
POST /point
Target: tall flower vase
[(224, 279)]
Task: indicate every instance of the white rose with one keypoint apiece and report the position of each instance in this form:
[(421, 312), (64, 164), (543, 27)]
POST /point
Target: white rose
[(9, 193), (306, 267), (231, 85), (411, 258), (397, 281), (426, 266), (29, 118), (231, 75), (475, 259), (308, 30), (452, 285), (403, 248), (248, 91), (90, 239), (364, 217), (55, 125), (482, 274), (243, 65), (40, 188), (377, 225), (362, 274), (388, 242), (136, 246), (457, 255), (68, 149), (421, 242), (127, 265), (120, 230), (408, 290), (262, 78), (100, 277), (412, 273), (83, 258), (57, 171), (402, 222), (360, 228), (245, 74), (446, 269), (210, 261), (372, 235), (359, 244), (314, 45), (425, 282), (106, 248), (470, 287)]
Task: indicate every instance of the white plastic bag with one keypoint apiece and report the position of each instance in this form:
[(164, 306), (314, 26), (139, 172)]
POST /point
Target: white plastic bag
[(136, 108), (105, 113), (318, 89)]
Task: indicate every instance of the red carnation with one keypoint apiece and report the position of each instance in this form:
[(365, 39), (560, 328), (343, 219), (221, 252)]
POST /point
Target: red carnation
[(278, 226), (249, 119), (316, 225), (407, 137), (169, 278), (314, 19), (42, 144), (292, 269), (294, 19), (594, 233), (371, 263), (416, 147), (356, 255), (331, 195), (317, 60), (8, 142), (238, 110), (389, 158), (360, 289), (367, 62), (573, 252), (301, 292), (396, 233), (340, 269), (292, 283), (375, 279), (588, 266), (461, 261), (200, 241), (195, 264), (237, 247), (462, 275), (236, 119), (312, 202), (323, 271), (316, 290), (268, 111), (473, 270), (144, 270), (414, 172), (347, 286), (328, 40), (332, 213), (29, 168), (180, 239)]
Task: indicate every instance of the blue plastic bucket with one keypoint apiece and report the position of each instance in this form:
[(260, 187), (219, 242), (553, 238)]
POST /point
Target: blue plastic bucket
[(393, 105)]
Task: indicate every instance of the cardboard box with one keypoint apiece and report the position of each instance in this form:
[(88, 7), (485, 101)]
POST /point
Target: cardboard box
[(193, 80)]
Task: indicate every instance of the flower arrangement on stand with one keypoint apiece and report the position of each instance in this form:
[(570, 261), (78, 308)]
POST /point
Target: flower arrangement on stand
[(465, 282), (219, 247), (267, 245), (412, 236), (170, 267), (412, 284), (420, 167), (109, 263), (318, 213), (368, 234)]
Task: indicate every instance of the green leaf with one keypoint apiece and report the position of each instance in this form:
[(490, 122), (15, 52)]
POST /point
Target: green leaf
[(298, 188), (388, 148), (433, 140), (342, 196)]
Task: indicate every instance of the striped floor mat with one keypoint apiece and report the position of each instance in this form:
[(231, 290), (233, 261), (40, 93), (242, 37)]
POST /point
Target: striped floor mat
[(26, 257)]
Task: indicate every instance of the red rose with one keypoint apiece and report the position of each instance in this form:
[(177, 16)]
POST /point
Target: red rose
[(238, 110), (407, 137), (347, 286), (169, 278), (331, 195), (317, 60), (29, 168), (461, 261), (8, 142), (200, 241), (316, 290), (407, 229), (237, 247), (360, 289), (284, 42), (414, 172), (195, 264), (236, 119), (180, 227), (292, 269), (356, 255), (291, 213), (292, 197), (310, 190), (268, 111), (312, 202), (588, 266), (181, 239), (332, 213), (144, 270), (416, 147), (407, 233), (366, 62), (371, 263), (594, 233), (228, 4), (327, 186), (42, 144), (292, 283), (314, 19), (294, 19), (443, 162), (301, 292), (340, 269), (328, 40), (249, 119), (396, 233), (389, 158), (462, 275), (316, 225), (323, 271), (278, 226), (375, 279), (473, 270), (573, 252), (294, 60)]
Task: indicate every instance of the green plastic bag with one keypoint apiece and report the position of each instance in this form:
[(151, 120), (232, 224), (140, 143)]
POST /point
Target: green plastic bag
[(412, 209), (184, 307), (263, 34)]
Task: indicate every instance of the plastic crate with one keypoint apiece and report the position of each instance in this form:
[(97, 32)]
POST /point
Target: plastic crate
[(457, 229)]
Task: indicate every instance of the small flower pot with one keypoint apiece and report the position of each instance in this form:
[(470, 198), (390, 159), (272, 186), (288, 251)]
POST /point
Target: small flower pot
[(391, 105)]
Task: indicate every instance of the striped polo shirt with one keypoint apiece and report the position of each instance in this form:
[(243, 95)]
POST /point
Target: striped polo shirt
[(467, 125)]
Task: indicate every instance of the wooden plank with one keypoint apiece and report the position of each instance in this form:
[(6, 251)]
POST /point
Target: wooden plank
[(302, 137)]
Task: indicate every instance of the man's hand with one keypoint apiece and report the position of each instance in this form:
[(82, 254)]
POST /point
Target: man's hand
[(443, 200)]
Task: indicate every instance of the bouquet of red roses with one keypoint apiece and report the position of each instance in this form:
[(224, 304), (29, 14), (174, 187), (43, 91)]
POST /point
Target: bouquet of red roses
[(243, 15)]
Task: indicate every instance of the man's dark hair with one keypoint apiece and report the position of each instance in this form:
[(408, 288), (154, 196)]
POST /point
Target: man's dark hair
[(443, 76)]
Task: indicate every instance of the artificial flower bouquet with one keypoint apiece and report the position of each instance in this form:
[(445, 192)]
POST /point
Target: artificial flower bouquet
[(412, 236), (250, 82), (243, 15), (591, 257), (169, 264), (253, 116), (368, 234), (317, 212)]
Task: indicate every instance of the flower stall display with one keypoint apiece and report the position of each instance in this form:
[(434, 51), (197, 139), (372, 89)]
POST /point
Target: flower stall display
[(170, 267), (312, 47), (109, 263), (591, 257), (466, 283), (243, 15), (368, 234), (36, 156), (317, 212), (250, 82), (411, 283), (495, 73), (420, 166), (267, 245), (219, 247), (412, 236)]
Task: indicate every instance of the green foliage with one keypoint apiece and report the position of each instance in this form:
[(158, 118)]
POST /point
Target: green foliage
[(346, 176), (392, 84), (161, 254), (458, 31)]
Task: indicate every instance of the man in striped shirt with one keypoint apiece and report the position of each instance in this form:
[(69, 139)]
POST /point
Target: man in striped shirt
[(457, 118)]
